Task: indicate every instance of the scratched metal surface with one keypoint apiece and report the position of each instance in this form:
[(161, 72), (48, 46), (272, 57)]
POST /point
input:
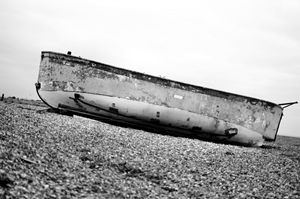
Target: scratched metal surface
[(59, 72)]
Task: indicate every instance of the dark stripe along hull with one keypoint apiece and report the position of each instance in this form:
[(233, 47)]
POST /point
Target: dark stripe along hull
[(101, 91)]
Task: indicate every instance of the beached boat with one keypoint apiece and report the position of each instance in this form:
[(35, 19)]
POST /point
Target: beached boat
[(79, 86)]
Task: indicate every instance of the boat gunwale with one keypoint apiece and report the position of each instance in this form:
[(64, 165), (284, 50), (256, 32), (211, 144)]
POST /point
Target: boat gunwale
[(192, 88)]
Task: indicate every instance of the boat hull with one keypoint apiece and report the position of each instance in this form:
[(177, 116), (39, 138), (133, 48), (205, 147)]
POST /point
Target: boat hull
[(95, 89)]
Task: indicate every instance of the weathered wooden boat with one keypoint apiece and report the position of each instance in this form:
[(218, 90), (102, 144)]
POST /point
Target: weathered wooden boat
[(79, 86)]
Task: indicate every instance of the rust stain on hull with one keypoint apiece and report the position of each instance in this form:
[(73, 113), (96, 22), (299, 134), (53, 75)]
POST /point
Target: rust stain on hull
[(69, 74)]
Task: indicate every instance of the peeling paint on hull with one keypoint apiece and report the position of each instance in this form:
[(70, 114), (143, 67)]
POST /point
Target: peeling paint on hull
[(84, 86)]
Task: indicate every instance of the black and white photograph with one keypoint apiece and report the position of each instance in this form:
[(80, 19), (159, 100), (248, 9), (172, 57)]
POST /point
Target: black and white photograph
[(149, 99)]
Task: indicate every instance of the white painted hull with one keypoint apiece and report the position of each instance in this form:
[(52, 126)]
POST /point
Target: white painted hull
[(140, 113)]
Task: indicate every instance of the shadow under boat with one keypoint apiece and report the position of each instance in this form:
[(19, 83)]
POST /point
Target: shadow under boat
[(195, 133)]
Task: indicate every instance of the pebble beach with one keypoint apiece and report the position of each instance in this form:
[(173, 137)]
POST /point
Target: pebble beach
[(47, 155)]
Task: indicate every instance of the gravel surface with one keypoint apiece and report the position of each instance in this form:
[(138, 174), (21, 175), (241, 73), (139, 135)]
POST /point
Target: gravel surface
[(46, 155)]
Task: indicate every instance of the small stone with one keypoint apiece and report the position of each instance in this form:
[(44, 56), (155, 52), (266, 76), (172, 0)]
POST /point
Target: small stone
[(23, 175)]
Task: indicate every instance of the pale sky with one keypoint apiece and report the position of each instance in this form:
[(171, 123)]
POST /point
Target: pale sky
[(245, 47)]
